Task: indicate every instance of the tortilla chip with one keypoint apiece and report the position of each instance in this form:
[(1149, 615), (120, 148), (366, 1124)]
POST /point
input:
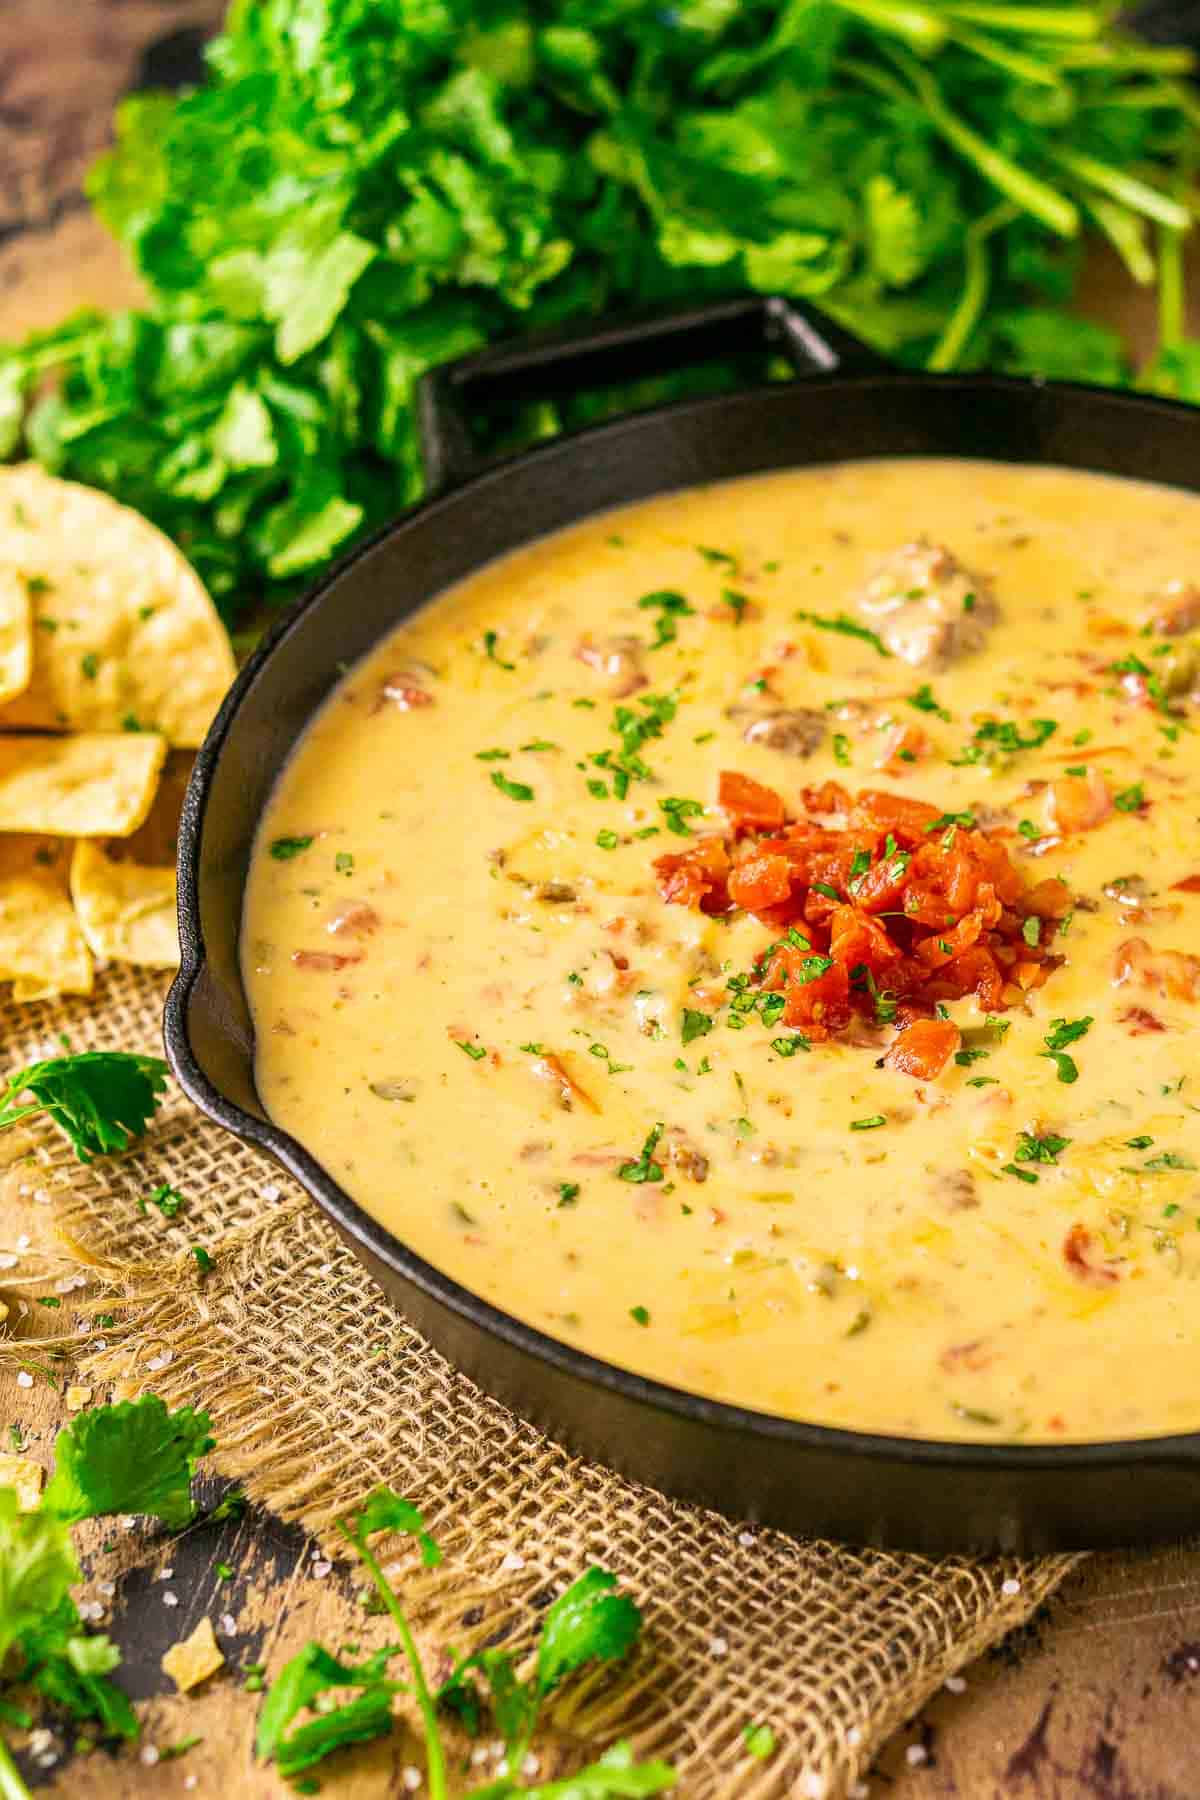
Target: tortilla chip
[(125, 637), (126, 909), (16, 636), (194, 1658), (42, 947), (95, 785)]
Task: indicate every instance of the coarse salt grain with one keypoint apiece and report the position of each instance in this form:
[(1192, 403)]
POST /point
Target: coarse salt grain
[(479, 1755), (8, 1260), (916, 1753), (854, 1735), (149, 1755), (24, 1378), (166, 1574), (1011, 1586), (48, 1760), (268, 1191), (860, 1791), (24, 1241), (40, 1740), (531, 1765), (321, 1569), (954, 1684), (812, 1785), (717, 1646), (746, 1539), (170, 1598), (92, 1610), (411, 1777), (41, 1196), (190, 1781), (107, 1588), (100, 1344), (227, 1625), (512, 1562)]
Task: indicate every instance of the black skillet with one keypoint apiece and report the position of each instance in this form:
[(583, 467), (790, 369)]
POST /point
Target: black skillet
[(854, 1485)]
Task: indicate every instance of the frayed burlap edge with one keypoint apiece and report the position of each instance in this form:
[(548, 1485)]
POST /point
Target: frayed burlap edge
[(318, 1388)]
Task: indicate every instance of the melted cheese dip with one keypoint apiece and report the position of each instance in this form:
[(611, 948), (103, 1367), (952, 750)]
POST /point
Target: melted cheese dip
[(470, 998)]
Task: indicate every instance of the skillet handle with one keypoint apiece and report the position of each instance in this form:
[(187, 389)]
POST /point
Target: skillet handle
[(620, 349)]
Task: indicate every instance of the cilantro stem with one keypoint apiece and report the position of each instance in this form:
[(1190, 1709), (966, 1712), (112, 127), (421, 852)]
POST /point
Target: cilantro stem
[(1030, 193), (917, 25), (11, 1785), (436, 1760), (1170, 287), (1078, 23), (963, 320), (1129, 189)]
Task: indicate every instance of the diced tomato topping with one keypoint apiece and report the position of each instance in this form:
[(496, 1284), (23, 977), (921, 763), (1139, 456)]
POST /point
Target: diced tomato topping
[(924, 1048), (1080, 1257), (1189, 885), (696, 876), (750, 805), (898, 908), (761, 880)]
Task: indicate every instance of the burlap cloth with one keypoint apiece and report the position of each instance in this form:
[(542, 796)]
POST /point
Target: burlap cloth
[(318, 1388)]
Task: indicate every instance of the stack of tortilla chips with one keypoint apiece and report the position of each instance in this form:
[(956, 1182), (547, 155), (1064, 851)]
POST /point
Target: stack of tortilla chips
[(111, 658)]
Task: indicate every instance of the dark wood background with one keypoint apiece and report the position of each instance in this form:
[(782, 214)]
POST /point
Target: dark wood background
[(1099, 1697)]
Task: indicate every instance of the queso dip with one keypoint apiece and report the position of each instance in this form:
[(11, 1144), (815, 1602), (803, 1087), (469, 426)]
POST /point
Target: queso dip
[(752, 937)]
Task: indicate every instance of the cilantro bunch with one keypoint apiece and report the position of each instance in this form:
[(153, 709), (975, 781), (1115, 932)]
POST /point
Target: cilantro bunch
[(363, 189), (590, 1622), (133, 1458)]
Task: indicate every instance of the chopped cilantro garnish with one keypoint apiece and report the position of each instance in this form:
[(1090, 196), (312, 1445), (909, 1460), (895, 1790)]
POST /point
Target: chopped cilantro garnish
[(607, 840), (716, 556), (1003, 737), (168, 1200), (965, 819), (1031, 931), (669, 606), (490, 640), (284, 848), (1130, 799), (788, 1046), (1138, 1143), (678, 811), (568, 1192), (645, 1168), (695, 1024), (925, 702), (759, 1741), (204, 1261), (872, 1123), (640, 1315), (492, 755), (1045, 1149), (89, 666), (1013, 1168), (737, 603), (964, 1058), (842, 622), (1063, 1032), (343, 863), (474, 1051), (841, 749), (1168, 1159), (515, 790)]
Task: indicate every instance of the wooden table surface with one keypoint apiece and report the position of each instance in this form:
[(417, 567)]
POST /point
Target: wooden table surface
[(1099, 1697)]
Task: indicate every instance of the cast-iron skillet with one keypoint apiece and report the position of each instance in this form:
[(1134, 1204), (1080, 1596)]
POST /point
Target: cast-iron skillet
[(849, 1484)]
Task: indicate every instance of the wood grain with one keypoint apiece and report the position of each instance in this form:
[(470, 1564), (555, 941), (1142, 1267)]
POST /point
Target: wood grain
[(1099, 1698)]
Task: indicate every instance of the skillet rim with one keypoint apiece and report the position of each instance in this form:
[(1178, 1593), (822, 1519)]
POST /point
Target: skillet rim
[(1175, 1449)]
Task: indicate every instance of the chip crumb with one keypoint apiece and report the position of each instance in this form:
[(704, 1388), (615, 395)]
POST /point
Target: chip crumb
[(1010, 1586), (195, 1658), (124, 1390), (411, 1777), (916, 1753), (954, 1684), (78, 1398), (24, 1378)]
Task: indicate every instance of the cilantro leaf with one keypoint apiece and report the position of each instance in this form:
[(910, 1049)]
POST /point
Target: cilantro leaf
[(370, 1716), (102, 1099), (136, 1457), (37, 1567), (384, 1510), (614, 1776), (310, 1672), (591, 1622)]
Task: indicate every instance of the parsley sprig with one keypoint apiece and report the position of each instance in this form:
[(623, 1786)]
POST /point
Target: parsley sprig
[(1063, 1032), (102, 1099), (133, 1458), (591, 1622)]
